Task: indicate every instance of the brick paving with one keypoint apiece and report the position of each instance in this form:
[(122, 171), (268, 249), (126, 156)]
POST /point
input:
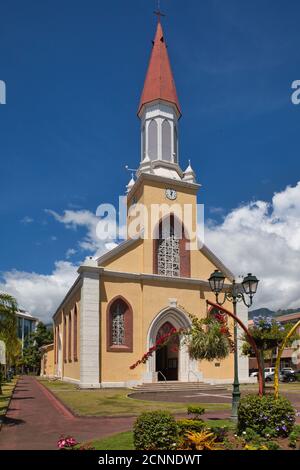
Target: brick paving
[(35, 420)]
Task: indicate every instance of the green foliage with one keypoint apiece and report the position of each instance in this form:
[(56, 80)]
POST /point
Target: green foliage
[(32, 354), (249, 435), (261, 413), (206, 339), (220, 432), (197, 411), (155, 430), (189, 425), (8, 327), (268, 334), (271, 445), (294, 436), (269, 432)]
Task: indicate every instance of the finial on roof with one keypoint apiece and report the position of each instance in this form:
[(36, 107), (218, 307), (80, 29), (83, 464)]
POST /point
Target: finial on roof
[(189, 174), (130, 184)]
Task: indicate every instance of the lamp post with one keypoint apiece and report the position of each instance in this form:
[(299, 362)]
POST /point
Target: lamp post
[(234, 294)]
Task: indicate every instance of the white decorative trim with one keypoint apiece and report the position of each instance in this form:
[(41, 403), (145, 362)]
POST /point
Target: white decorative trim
[(118, 250), (217, 262), (127, 384), (88, 386), (70, 380), (163, 179), (173, 303), (186, 366)]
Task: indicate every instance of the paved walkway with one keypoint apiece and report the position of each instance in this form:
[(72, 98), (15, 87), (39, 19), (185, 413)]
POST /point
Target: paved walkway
[(36, 420)]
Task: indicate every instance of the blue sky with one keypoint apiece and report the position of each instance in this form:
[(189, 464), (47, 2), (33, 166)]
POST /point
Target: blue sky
[(74, 71)]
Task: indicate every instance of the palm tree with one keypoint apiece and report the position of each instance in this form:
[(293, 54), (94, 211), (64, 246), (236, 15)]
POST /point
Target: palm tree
[(8, 326)]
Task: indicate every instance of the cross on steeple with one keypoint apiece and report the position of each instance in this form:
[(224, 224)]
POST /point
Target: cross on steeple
[(158, 12)]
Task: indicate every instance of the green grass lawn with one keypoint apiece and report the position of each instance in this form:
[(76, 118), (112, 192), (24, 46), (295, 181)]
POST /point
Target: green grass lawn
[(114, 402), (7, 389), (124, 440)]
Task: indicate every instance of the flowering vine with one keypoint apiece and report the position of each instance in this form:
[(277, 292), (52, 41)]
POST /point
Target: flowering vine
[(162, 341), (208, 338)]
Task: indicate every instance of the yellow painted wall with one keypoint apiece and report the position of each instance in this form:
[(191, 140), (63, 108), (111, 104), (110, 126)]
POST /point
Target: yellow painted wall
[(147, 300), (47, 362), (70, 366)]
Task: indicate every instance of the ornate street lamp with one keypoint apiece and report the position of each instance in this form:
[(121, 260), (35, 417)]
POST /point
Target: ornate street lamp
[(235, 293)]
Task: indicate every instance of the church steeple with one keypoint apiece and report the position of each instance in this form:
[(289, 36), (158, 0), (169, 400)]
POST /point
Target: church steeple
[(159, 82), (159, 112)]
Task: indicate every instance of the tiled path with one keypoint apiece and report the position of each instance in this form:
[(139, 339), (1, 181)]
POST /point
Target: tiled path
[(36, 420)]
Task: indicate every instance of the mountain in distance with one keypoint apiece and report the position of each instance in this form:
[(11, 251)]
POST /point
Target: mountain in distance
[(266, 312)]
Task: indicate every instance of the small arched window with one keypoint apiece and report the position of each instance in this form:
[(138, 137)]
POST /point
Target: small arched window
[(166, 141), (152, 140), (119, 326)]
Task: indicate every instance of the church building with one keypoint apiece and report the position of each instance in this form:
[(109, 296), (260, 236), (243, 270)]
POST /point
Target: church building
[(122, 302)]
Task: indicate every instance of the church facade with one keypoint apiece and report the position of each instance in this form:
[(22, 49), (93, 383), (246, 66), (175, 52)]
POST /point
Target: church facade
[(122, 302)]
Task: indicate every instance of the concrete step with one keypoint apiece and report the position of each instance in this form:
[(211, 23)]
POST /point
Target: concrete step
[(173, 386)]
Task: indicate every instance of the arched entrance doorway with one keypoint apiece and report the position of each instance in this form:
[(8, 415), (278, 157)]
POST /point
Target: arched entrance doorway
[(186, 369), (166, 362)]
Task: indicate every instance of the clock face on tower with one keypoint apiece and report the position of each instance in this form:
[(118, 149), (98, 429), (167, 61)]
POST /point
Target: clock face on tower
[(171, 194)]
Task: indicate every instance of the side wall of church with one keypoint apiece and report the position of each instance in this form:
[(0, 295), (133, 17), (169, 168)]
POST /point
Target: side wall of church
[(67, 339)]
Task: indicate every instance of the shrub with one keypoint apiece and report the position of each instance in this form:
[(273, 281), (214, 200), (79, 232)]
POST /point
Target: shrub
[(220, 432), (294, 436), (189, 425), (251, 436), (196, 410), (271, 445), (259, 413), (155, 430)]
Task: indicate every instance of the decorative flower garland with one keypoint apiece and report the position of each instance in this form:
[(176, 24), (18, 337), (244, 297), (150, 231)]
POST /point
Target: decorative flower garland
[(223, 320), (160, 343)]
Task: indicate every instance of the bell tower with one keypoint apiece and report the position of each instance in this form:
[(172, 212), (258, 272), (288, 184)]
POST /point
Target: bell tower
[(159, 112)]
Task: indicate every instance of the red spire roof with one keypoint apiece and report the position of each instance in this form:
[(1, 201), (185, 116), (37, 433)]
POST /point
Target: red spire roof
[(159, 82)]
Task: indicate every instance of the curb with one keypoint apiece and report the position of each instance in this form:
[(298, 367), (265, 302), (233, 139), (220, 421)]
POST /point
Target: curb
[(59, 405)]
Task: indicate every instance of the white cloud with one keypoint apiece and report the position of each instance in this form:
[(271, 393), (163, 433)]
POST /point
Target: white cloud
[(40, 294), (26, 220), (264, 238), (70, 252), (73, 219)]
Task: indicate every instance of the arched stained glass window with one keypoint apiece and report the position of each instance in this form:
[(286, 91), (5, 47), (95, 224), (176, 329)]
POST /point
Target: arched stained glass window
[(119, 326), (171, 249), (118, 323), (168, 253)]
